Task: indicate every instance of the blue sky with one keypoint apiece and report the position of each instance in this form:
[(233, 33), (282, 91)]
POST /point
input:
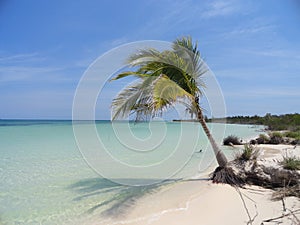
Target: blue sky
[(253, 48)]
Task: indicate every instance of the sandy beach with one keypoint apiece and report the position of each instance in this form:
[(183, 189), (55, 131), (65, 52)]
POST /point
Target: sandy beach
[(200, 201)]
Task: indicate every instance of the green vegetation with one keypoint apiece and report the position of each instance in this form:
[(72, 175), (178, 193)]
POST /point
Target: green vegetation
[(249, 152), (291, 163), (289, 122), (292, 134), (231, 140), (263, 139), (276, 134), (276, 138)]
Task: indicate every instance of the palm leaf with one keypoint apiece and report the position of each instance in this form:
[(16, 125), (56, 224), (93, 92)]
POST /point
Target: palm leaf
[(129, 73), (131, 97), (166, 93)]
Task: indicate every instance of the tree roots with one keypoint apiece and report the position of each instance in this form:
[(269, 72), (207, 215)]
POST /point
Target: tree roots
[(226, 175)]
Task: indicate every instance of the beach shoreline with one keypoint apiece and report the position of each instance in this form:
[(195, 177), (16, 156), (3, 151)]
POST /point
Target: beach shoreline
[(199, 201)]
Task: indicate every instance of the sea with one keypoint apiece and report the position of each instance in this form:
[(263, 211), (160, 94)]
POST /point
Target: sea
[(79, 172)]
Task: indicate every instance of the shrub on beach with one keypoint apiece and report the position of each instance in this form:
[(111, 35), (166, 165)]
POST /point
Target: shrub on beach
[(249, 152), (263, 139), (276, 134), (291, 163), (232, 140), (290, 137), (276, 138), (293, 134)]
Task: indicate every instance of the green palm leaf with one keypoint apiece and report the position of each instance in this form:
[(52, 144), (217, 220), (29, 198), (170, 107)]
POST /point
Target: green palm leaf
[(166, 93), (131, 98)]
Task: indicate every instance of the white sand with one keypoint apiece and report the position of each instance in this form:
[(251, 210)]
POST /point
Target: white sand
[(202, 202)]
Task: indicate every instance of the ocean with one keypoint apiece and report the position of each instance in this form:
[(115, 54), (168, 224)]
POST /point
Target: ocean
[(59, 172)]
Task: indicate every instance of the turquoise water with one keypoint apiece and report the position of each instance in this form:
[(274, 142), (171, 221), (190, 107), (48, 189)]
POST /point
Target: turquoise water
[(45, 179)]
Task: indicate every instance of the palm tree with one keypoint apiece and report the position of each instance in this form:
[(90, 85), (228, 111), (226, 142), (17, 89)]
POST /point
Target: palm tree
[(165, 78)]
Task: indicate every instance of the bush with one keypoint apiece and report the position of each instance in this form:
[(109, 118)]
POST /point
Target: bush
[(276, 134), (276, 138), (232, 140), (263, 139), (291, 163), (249, 152), (291, 134)]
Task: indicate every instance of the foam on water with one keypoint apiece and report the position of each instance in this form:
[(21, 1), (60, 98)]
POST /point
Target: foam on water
[(45, 180)]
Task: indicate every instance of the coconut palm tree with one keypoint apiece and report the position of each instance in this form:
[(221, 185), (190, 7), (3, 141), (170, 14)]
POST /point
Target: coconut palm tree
[(165, 78)]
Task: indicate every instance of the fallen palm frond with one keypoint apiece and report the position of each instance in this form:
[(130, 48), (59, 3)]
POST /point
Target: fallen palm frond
[(286, 192), (284, 215)]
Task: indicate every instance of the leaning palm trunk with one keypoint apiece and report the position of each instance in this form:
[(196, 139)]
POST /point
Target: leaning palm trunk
[(224, 172), (221, 158)]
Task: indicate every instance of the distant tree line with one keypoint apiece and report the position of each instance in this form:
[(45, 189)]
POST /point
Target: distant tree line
[(273, 122)]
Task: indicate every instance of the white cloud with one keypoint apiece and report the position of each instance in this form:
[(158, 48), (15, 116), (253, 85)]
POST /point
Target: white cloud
[(250, 30), (20, 58), (280, 53), (32, 67), (221, 8), (19, 73)]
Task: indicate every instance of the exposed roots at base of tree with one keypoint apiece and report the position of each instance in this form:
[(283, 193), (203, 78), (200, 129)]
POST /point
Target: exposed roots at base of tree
[(226, 175)]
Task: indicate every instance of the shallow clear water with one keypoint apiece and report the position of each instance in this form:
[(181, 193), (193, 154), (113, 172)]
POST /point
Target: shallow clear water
[(44, 178)]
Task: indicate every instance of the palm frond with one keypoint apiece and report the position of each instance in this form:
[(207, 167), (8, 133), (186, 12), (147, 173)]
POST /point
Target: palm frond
[(129, 73), (166, 92), (196, 67), (144, 56), (131, 98)]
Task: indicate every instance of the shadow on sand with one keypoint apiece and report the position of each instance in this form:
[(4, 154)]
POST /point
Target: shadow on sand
[(122, 198)]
